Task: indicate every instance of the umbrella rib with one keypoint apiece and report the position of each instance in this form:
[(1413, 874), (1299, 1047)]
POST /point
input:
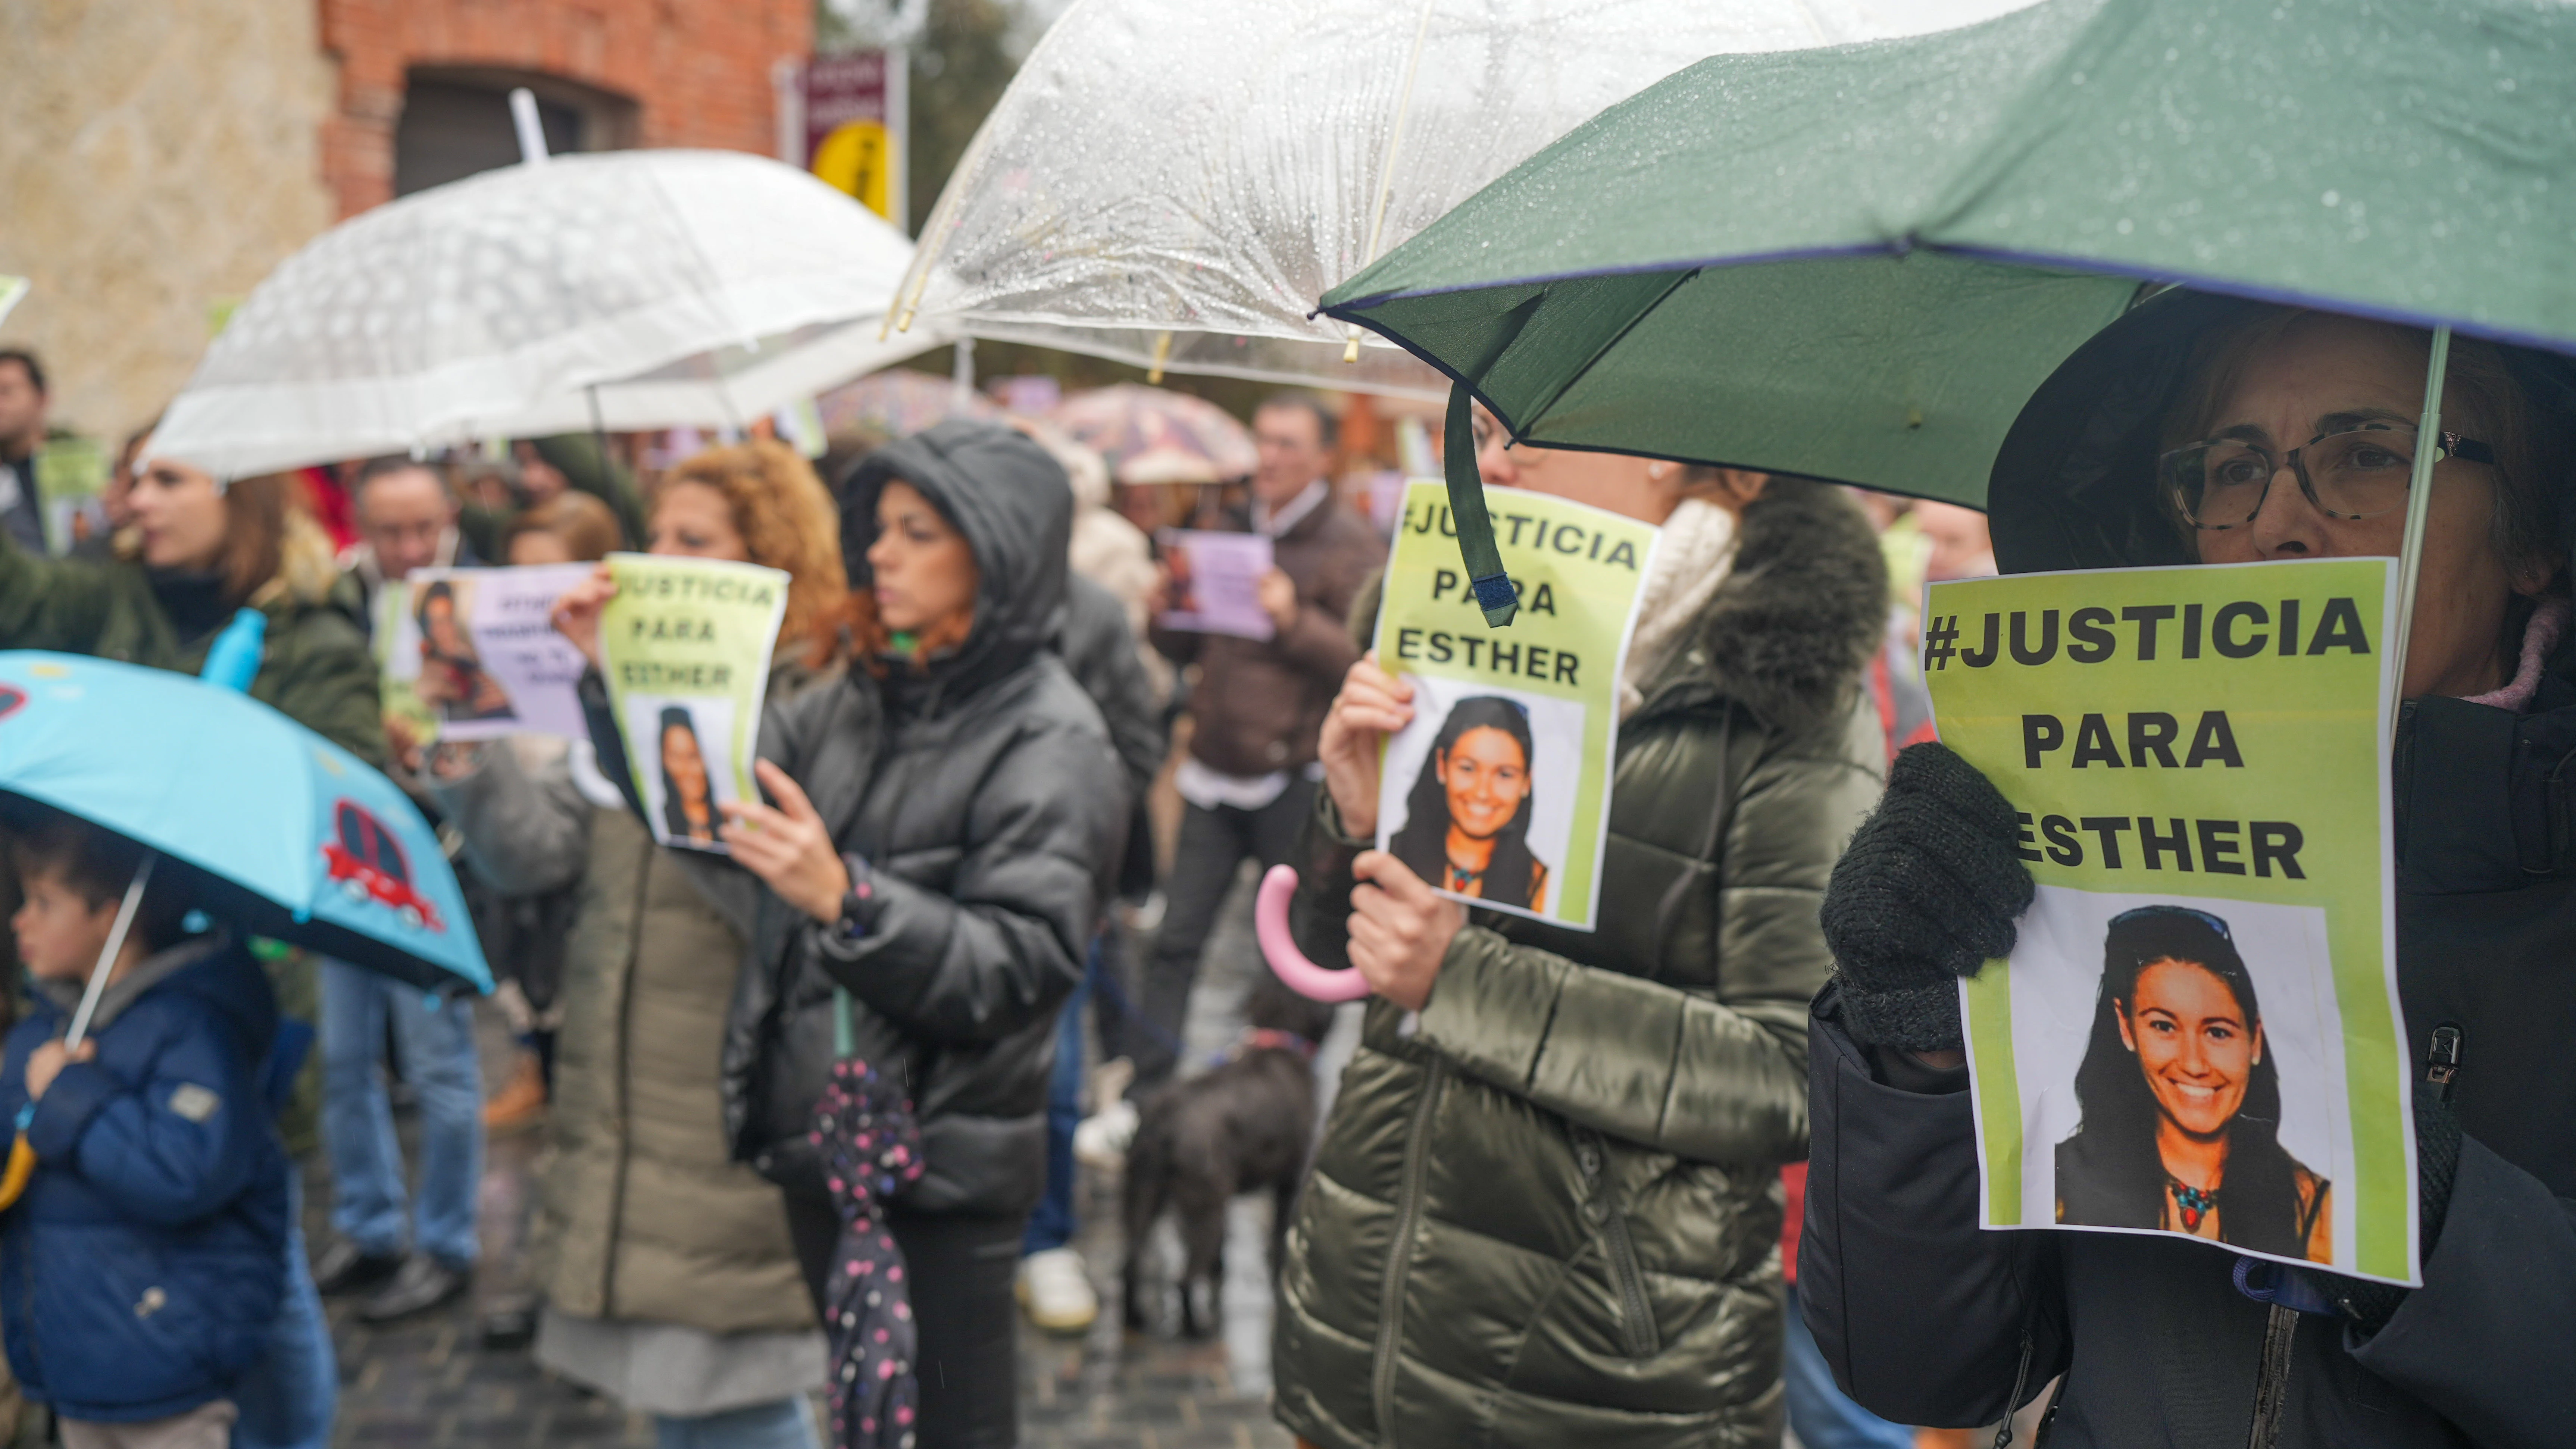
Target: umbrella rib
[(1386, 167)]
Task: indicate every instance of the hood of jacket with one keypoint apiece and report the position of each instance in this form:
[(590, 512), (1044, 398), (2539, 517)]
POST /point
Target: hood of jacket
[(1013, 503), (1803, 608), (2074, 485)]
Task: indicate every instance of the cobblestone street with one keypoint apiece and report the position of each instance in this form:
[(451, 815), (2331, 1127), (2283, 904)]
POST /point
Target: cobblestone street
[(429, 1382)]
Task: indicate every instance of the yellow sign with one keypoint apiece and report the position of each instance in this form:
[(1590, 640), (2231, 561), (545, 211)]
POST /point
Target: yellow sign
[(858, 157)]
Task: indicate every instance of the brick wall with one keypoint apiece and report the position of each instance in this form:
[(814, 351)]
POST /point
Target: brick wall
[(697, 70)]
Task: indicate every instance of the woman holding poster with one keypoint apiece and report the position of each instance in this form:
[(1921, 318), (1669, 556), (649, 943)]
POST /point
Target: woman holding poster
[(673, 1282), (1579, 1132), (2201, 429)]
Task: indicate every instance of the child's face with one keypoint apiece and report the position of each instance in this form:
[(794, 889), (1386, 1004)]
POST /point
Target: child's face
[(59, 933)]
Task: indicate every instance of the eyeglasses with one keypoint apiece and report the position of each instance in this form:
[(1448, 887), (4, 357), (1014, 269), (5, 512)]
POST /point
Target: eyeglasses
[(2221, 484)]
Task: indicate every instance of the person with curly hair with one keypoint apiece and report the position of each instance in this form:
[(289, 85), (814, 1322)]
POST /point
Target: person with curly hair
[(670, 1279)]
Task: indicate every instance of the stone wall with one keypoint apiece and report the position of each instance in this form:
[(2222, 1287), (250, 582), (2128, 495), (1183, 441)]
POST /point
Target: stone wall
[(156, 159)]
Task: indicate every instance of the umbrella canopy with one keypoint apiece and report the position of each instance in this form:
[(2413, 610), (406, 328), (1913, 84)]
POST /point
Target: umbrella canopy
[(1151, 435), (899, 402), (1858, 263), (670, 288), (1171, 183), (283, 832)]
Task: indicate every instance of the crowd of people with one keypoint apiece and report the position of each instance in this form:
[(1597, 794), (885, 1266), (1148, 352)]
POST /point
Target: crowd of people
[(1559, 1193)]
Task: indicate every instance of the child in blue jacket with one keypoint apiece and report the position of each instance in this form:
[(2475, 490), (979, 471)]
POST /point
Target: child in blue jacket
[(139, 1274)]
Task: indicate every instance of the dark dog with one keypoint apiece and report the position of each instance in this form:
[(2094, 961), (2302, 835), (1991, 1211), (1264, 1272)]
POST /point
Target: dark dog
[(1245, 1125)]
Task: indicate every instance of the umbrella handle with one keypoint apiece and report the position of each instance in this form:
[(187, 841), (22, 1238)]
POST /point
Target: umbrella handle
[(1279, 948), (108, 953), (22, 1166)]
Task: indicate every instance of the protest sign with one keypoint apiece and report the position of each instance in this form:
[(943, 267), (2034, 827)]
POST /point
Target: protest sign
[(70, 474), (397, 665), (1498, 792), (684, 649), (1216, 583), (476, 653), (2197, 1032)]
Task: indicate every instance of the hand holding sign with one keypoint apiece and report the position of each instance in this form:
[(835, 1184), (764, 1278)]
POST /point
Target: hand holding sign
[(788, 846), (577, 611), (1400, 929), (1372, 705)]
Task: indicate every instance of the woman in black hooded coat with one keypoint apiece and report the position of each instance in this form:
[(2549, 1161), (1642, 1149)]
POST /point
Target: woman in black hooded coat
[(961, 791), (2162, 1342)]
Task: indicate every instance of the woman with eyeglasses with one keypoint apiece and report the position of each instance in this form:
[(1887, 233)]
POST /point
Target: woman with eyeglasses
[(2201, 429)]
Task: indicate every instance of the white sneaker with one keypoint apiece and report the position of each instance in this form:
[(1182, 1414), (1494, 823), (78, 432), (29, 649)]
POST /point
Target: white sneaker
[(1055, 1288), (1103, 1138)]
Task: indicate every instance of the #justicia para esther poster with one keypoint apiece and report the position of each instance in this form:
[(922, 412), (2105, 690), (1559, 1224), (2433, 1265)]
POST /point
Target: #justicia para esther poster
[(2197, 1030), (1498, 792)]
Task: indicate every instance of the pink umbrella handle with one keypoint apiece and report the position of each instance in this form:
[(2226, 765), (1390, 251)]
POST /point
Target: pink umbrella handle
[(1270, 924)]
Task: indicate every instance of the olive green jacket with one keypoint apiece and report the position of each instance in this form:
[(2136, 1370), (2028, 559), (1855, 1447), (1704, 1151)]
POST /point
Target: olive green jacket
[(1546, 1210), (644, 1216), (315, 668)]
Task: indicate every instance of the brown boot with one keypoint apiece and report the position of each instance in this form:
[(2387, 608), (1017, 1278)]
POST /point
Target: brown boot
[(521, 1102)]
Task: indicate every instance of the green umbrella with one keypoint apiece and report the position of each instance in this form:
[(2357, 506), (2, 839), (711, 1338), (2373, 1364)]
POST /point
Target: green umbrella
[(1859, 262)]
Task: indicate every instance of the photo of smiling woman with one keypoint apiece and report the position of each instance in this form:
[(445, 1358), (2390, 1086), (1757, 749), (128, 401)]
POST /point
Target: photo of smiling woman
[(1466, 824), (452, 676), (2182, 1101), (688, 800)]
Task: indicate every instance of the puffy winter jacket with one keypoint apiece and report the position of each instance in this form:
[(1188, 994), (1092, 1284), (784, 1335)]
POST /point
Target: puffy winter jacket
[(314, 666), (986, 798), (1927, 1319), (1546, 1212), (645, 1215), (139, 1275)]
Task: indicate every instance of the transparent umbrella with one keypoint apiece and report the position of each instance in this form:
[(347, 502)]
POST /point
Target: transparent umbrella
[(624, 290), (1154, 435), (1172, 184)]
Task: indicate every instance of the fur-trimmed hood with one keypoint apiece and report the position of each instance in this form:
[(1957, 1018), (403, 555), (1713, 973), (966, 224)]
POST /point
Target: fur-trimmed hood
[(307, 568), (1802, 609)]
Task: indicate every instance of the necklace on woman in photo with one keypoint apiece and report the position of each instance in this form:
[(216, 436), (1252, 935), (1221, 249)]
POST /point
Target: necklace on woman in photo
[(2194, 1203)]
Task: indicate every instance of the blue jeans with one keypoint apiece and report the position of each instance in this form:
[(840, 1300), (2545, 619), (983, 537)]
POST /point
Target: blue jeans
[(288, 1398), (1819, 1413), (437, 1046), (780, 1424), (1051, 1225)]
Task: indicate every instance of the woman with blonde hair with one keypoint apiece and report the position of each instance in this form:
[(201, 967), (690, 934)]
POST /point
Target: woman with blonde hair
[(669, 1276)]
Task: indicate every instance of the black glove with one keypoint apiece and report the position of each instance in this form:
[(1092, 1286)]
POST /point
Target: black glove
[(1927, 892), (2371, 1304)]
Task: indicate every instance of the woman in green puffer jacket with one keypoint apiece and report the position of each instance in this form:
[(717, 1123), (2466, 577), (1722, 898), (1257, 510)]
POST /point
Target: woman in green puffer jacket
[(1546, 1208), (200, 551)]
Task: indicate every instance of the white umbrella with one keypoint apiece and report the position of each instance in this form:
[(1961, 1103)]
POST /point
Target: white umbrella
[(1172, 183), (627, 290)]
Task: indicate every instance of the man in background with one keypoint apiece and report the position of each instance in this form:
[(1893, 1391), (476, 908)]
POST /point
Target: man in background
[(406, 521), (22, 436), (1258, 705)]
